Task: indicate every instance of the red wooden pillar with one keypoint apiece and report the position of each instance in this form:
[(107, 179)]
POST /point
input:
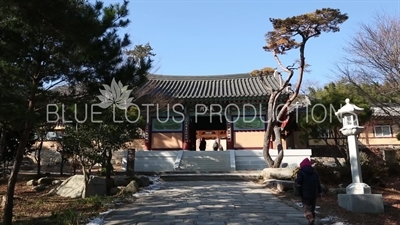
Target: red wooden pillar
[(186, 140), (271, 143), (229, 133), (185, 132)]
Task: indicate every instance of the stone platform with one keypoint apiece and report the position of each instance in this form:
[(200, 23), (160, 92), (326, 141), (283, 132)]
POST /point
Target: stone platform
[(362, 203), (218, 176)]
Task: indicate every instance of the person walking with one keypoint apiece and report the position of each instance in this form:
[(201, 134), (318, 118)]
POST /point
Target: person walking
[(203, 144), (215, 145), (310, 188)]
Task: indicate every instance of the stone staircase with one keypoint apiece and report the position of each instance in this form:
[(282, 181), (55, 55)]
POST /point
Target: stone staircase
[(228, 165), (214, 161)]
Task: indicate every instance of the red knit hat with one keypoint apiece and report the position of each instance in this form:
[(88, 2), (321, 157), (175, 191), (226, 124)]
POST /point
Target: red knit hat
[(305, 162)]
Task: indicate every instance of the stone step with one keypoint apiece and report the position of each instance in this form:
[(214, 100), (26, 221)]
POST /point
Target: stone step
[(199, 176), (198, 161)]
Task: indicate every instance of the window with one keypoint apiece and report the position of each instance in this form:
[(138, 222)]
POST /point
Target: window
[(324, 133), (382, 131)]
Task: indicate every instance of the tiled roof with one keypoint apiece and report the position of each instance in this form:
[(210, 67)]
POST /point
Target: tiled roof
[(210, 87), (386, 110)]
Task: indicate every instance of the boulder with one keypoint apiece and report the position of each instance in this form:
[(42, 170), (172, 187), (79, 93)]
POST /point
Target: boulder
[(96, 186), (285, 185), (277, 173), (143, 181), (46, 180), (120, 181), (115, 190), (39, 188), (131, 188), (73, 187), (280, 185), (121, 189), (31, 183), (56, 182)]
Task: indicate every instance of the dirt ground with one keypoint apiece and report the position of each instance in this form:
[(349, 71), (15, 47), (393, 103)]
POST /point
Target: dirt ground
[(31, 207), (329, 206)]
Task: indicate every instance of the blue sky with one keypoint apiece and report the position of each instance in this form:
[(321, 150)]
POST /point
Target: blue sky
[(212, 37)]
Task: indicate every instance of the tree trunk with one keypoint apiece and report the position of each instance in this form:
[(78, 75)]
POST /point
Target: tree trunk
[(9, 201), (2, 142), (279, 147), (5, 168), (2, 150), (104, 163), (267, 138), (109, 181), (62, 167), (62, 163), (38, 156), (74, 164), (86, 175), (108, 164), (268, 133)]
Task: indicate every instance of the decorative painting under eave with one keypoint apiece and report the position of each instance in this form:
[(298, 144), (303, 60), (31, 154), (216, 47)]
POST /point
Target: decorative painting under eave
[(234, 108)]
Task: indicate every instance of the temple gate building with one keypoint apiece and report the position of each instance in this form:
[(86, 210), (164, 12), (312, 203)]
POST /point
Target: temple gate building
[(231, 109)]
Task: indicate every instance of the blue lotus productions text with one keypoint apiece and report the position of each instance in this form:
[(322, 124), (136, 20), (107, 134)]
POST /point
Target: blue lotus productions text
[(178, 113)]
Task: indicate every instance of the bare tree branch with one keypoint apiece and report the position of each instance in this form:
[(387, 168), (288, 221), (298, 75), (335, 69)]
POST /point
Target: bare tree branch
[(372, 62), (281, 40), (280, 63)]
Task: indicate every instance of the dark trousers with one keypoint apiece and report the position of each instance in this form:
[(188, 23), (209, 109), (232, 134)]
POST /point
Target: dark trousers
[(309, 207)]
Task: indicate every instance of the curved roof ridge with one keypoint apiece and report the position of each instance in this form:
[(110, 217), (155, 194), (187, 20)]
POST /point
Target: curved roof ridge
[(232, 86), (196, 77)]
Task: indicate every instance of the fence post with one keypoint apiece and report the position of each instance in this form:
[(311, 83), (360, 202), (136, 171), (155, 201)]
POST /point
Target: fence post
[(130, 167)]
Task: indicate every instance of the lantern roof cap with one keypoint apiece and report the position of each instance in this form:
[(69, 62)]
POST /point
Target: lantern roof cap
[(349, 108)]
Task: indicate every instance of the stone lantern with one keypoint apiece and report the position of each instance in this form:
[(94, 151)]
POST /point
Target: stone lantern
[(358, 197)]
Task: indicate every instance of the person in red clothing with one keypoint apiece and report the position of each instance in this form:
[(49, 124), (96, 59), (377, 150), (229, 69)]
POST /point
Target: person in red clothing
[(310, 188)]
